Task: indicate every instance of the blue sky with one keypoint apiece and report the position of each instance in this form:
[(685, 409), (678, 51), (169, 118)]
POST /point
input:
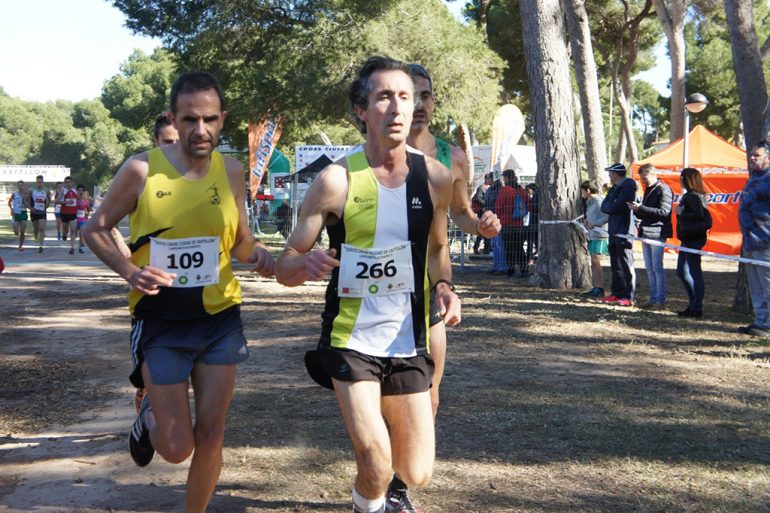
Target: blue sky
[(62, 49), (66, 49)]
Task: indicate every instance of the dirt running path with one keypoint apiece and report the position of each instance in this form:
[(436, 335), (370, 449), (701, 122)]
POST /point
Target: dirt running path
[(551, 404)]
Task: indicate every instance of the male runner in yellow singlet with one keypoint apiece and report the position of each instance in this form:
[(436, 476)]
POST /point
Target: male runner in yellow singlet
[(186, 205), (384, 206)]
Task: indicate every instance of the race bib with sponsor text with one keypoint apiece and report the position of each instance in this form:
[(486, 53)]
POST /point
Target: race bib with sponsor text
[(195, 260), (375, 272)]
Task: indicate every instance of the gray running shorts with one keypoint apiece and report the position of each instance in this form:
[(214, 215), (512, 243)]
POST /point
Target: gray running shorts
[(172, 348)]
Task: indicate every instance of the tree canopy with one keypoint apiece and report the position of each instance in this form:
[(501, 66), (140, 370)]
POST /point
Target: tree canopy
[(297, 58)]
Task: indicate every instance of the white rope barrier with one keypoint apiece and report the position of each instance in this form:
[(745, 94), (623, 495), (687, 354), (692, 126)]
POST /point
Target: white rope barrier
[(653, 242), (574, 222), (733, 258)]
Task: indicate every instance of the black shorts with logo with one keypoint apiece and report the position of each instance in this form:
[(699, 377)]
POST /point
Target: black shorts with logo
[(397, 376)]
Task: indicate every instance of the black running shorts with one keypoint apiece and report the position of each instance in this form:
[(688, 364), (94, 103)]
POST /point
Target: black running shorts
[(397, 376)]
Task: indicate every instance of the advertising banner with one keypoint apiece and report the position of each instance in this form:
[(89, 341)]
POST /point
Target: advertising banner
[(263, 137), (723, 166)]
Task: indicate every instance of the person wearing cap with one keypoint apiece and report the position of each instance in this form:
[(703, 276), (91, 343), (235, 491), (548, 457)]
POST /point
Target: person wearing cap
[(621, 222)]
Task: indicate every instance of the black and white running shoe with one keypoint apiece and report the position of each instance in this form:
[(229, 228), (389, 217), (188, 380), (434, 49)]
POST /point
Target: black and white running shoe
[(398, 501), (139, 438)]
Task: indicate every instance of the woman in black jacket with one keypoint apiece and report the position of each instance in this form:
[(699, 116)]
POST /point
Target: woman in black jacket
[(692, 224)]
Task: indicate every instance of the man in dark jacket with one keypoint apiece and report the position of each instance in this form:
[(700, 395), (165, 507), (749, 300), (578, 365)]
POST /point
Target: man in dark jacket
[(621, 222), (754, 218), (654, 214)]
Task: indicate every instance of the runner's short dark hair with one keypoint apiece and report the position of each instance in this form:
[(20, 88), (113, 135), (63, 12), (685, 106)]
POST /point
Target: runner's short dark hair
[(161, 120), (193, 82), (418, 70), (358, 94)]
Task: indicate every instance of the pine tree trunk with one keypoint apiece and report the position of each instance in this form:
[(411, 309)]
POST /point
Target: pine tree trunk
[(742, 300), (562, 257), (747, 63), (673, 26), (752, 90), (588, 86)]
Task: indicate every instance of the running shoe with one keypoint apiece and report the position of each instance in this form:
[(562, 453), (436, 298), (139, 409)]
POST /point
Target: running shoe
[(398, 501), (612, 298), (71, 251), (40, 249), (80, 250), (595, 292), (139, 438), (746, 330), (624, 302)]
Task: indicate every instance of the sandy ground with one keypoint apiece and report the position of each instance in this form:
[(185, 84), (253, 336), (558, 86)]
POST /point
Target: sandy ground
[(551, 403)]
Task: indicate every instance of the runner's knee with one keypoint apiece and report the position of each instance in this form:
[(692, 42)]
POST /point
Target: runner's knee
[(175, 449), (209, 437), (416, 477)]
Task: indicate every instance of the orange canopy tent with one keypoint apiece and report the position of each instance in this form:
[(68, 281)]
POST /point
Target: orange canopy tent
[(723, 166)]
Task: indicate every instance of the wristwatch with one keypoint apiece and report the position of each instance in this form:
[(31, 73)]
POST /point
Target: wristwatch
[(448, 283)]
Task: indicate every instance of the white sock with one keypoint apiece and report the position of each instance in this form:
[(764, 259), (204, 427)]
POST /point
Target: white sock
[(365, 505)]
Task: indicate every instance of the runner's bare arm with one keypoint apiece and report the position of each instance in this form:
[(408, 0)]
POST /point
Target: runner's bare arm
[(246, 249), (325, 198), (439, 265), (460, 208), (121, 199)]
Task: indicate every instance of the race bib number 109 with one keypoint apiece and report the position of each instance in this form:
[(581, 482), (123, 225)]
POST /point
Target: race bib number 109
[(195, 261), (375, 272)]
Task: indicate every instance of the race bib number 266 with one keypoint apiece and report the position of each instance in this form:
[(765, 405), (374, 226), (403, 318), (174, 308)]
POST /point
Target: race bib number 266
[(195, 261), (375, 272)]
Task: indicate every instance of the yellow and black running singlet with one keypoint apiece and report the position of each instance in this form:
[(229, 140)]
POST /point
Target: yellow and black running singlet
[(174, 207), (376, 217)]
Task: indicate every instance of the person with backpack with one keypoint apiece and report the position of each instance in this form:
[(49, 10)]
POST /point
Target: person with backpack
[(512, 207), (693, 222)]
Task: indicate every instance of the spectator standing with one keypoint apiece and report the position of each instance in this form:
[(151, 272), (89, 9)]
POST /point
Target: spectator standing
[(596, 223), (498, 254), (478, 204), (512, 206), (654, 214), (692, 224), (533, 222), (620, 222), (754, 218)]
